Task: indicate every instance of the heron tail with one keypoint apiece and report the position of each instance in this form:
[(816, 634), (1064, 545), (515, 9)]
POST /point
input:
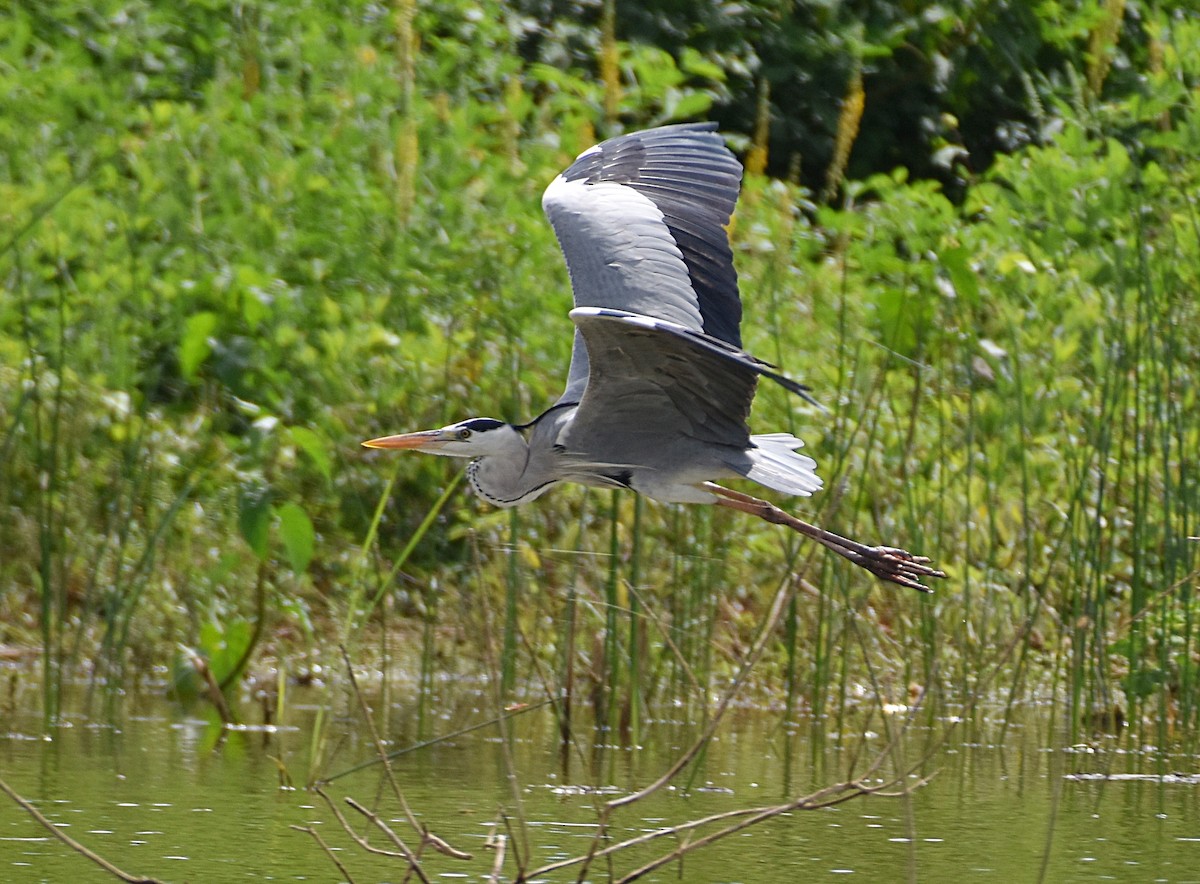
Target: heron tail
[(774, 463)]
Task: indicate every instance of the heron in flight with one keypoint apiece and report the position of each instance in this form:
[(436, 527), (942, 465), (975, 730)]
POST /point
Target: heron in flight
[(659, 389)]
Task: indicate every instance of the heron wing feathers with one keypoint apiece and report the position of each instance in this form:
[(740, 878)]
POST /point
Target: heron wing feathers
[(773, 462), (619, 252), (641, 221), (652, 378)]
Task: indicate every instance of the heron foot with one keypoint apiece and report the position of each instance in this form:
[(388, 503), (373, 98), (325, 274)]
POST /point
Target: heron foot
[(892, 564), (888, 563)]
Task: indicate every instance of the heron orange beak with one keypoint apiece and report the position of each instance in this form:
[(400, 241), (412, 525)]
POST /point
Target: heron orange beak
[(426, 440)]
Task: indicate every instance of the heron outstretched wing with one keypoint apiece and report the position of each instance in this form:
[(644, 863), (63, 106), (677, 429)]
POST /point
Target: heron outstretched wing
[(641, 220), (658, 378)]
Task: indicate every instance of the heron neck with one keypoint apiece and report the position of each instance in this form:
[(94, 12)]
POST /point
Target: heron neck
[(518, 473)]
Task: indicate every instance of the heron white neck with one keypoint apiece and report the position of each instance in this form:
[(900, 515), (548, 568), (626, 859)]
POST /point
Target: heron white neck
[(504, 476)]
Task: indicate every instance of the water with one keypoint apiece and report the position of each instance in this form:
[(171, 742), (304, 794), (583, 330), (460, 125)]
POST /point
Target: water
[(167, 795)]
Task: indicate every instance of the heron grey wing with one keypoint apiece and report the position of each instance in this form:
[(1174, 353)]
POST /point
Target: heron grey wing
[(654, 384), (641, 221), (577, 374)]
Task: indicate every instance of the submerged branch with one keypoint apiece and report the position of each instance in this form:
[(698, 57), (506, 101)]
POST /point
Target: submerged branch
[(71, 842), (427, 837), (827, 797), (778, 604), (345, 873)]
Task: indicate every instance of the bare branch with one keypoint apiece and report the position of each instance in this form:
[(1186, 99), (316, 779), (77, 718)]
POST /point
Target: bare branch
[(414, 861), (827, 797), (328, 851), (427, 837), (778, 604), (497, 842), (71, 842)]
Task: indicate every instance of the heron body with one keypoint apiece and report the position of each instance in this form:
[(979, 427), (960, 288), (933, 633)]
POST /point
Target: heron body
[(659, 389)]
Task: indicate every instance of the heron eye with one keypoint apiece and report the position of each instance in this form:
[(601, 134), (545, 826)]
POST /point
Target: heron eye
[(464, 434)]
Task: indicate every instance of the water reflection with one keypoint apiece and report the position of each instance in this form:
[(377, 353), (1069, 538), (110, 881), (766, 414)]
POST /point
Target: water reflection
[(177, 798)]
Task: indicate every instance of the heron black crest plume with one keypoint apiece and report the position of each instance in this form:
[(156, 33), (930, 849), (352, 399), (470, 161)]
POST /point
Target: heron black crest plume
[(658, 393)]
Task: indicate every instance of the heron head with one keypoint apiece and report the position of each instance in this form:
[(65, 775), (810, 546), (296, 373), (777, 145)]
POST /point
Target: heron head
[(474, 437)]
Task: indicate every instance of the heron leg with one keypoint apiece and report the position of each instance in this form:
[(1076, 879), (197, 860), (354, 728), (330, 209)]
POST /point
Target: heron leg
[(885, 562)]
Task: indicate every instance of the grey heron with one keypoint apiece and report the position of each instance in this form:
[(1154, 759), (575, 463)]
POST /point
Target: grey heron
[(659, 389)]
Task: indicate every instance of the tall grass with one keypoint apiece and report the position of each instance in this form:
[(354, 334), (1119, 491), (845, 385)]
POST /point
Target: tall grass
[(1010, 385)]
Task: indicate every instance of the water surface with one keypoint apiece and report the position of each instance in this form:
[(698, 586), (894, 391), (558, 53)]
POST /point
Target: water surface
[(169, 795)]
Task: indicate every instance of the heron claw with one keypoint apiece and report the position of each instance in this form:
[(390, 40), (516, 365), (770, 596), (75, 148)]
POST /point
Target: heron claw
[(898, 566)]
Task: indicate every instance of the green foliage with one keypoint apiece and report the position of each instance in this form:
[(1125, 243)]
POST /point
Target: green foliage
[(949, 83), (242, 240), (254, 519), (221, 647), (296, 530)]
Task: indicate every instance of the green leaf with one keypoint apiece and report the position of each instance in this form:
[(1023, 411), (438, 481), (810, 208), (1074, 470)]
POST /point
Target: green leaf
[(958, 268), (894, 314), (194, 347), (315, 447), (254, 307), (691, 104), (1144, 681), (254, 518), (223, 645), (298, 536), (694, 63)]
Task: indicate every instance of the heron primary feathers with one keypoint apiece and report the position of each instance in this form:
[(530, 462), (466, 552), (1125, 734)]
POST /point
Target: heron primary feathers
[(659, 389)]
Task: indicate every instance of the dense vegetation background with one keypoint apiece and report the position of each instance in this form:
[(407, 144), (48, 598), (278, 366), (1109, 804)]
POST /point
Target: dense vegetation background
[(238, 238)]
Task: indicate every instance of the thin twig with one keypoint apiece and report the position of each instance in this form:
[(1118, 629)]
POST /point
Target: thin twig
[(377, 821), (328, 851), (358, 839), (434, 741), (71, 842), (851, 789), (827, 797), (427, 837), (777, 606), (212, 689), (664, 632), (497, 843), (844, 792), (785, 592), (519, 840)]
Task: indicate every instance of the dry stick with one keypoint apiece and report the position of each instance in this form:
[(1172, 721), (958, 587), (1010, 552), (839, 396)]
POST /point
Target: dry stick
[(427, 837), (554, 701), (648, 613), (981, 689), (639, 840), (512, 839), (895, 746), (377, 821), (782, 596), (982, 685), (780, 601), (665, 633), (414, 865), (434, 741), (213, 689), (520, 839), (359, 839), (71, 842), (827, 797), (848, 790), (328, 851), (497, 843)]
